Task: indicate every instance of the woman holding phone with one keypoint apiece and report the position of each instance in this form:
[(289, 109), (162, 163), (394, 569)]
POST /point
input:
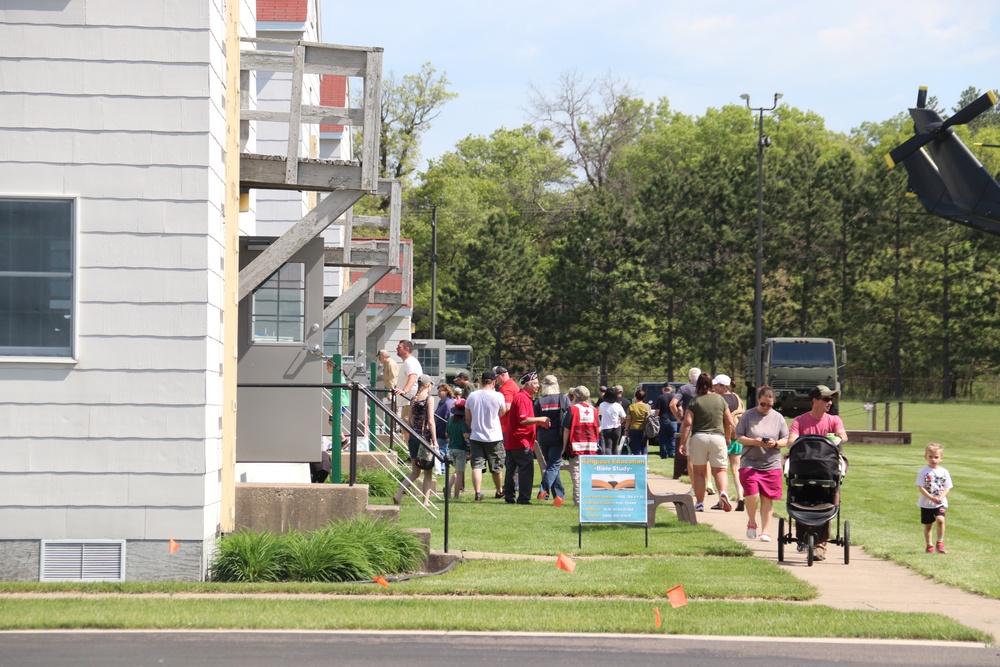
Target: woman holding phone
[(763, 432)]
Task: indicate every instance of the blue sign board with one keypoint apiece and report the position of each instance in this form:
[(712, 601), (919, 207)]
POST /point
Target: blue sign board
[(613, 489)]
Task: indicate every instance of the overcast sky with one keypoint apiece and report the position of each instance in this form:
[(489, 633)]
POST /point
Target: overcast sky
[(848, 60)]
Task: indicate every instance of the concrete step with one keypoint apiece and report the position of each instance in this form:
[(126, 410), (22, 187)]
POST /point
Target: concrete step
[(383, 513)]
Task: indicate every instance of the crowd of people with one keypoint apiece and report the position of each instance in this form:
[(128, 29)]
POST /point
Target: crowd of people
[(504, 426)]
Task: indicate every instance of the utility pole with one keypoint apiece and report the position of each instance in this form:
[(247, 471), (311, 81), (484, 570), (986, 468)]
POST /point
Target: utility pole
[(434, 269)]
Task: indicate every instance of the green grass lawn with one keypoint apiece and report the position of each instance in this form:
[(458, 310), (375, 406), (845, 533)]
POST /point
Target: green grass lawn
[(496, 614)]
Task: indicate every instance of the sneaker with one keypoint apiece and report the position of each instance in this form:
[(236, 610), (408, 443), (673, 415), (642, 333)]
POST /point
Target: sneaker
[(940, 548), (740, 507), (764, 537), (717, 506), (800, 547), (699, 507), (479, 497), (724, 501), (819, 553), (751, 531), (543, 495), (710, 491)]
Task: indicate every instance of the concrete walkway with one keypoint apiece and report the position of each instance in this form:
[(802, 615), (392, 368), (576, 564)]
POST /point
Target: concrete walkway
[(866, 583)]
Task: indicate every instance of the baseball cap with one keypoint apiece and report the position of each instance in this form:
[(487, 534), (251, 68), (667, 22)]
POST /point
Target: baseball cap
[(581, 393), (722, 379), (499, 370), (487, 376), (459, 407), (821, 391), (424, 379), (550, 380), (463, 374)]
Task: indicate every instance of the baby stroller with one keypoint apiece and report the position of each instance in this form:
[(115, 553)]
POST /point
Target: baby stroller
[(814, 473)]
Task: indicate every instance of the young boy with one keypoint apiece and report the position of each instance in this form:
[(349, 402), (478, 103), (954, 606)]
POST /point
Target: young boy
[(934, 483)]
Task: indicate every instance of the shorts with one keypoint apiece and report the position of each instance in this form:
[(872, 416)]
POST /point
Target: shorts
[(414, 446), (459, 456), (766, 483), (735, 448), (930, 515), (708, 448), (489, 454)]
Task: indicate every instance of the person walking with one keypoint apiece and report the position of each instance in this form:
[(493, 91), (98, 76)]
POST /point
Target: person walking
[(762, 432), (422, 421), (442, 415), (555, 405), (483, 410), (705, 434), (722, 385)]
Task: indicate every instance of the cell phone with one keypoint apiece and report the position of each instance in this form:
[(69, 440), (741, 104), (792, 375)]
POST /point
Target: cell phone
[(765, 439)]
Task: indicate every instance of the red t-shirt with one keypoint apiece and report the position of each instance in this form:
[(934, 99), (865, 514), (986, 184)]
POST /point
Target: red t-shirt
[(509, 390), (520, 435), (806, 424)]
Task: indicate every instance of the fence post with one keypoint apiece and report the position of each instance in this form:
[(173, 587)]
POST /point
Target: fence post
[(901, 416), (887, 416), (874, 416), (336, 412)]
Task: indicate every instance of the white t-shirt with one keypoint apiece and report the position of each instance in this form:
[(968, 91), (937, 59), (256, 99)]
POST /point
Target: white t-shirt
[(610, 414), (484, 405), (934, 480), (409, 367)]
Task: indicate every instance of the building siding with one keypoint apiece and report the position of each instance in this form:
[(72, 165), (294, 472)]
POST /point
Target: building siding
[(121, 105)]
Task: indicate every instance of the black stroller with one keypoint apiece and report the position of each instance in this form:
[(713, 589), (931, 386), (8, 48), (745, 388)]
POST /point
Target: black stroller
[(813, 475)]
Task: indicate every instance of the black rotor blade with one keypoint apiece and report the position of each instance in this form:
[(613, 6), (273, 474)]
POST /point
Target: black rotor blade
[(969, 113), (907, 148), (922, 97)]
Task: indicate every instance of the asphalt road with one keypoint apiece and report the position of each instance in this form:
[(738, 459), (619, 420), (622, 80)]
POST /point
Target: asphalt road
[(302, 649)]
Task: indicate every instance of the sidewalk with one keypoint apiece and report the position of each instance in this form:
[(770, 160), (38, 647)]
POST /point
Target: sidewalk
[(866, 583)]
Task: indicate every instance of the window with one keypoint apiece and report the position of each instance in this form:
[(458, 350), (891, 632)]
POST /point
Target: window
[(338, 338), (36, 277), (279, 306), (430, 360), (803, 354)]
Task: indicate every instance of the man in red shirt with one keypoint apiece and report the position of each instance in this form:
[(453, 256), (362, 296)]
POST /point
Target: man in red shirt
[(818, 421), (506, 386), (519, 441)]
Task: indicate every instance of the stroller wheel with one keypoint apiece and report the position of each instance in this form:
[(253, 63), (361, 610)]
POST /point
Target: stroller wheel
[(847, 542), (810, 549), (781, 540)]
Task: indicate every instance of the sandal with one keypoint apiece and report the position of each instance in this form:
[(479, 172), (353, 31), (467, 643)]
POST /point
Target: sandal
[(499, 494)]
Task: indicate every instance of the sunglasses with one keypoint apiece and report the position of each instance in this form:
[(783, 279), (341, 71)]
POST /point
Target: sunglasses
[(826, 399)]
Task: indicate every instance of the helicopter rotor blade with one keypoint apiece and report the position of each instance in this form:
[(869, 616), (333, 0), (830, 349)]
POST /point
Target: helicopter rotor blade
[(965, 115)]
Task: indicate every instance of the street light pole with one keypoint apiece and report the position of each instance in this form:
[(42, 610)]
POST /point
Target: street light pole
[(763, 141), (434, 270)]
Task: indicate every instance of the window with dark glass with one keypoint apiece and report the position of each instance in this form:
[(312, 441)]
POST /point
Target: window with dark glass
[(36, 277)]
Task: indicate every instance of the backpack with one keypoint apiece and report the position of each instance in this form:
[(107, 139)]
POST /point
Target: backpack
[(425, 458), (652, 428)]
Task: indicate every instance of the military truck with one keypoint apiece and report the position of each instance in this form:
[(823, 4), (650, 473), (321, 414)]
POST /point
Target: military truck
[(793, 366)]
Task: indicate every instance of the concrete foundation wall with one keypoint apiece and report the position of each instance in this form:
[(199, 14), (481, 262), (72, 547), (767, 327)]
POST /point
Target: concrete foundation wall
[(145, 560), (285, 507)]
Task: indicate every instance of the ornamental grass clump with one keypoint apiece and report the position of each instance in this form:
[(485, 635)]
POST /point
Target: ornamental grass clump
[(248, 556), (323, 555), (381, 483), (387, 547), (355, 550)]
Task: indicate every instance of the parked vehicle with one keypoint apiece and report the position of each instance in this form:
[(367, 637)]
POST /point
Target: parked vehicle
[(793, 366)]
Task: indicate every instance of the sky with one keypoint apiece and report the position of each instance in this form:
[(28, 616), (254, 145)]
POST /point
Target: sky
[(849, 61)]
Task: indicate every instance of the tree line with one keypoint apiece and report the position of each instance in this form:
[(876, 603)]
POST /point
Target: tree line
[(611, 236)]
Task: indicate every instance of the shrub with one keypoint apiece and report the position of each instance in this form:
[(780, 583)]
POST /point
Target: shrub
[(387, 547), (247, 556)]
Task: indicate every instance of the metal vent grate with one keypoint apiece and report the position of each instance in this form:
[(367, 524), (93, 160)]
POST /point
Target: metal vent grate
[(75, 560)]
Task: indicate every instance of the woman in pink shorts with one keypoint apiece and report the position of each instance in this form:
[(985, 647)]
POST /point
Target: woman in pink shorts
[(763, 432)]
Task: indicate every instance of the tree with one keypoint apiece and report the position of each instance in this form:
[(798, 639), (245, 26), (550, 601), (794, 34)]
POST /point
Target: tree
[(594, 119), (409, 105)]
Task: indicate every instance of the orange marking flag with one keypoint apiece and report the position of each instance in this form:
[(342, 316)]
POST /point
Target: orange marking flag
[(558, 501), (380, 580), (173, 546), (565, 563), (677, 597), (657, 610)]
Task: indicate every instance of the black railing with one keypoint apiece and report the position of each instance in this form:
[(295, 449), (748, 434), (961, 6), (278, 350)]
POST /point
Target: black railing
[(391, 418)]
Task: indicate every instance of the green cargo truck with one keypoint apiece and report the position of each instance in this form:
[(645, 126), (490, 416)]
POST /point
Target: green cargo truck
[(793, 366)]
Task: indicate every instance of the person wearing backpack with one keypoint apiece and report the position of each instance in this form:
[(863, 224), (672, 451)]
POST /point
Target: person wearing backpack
[(421, 453), (635, 424)]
